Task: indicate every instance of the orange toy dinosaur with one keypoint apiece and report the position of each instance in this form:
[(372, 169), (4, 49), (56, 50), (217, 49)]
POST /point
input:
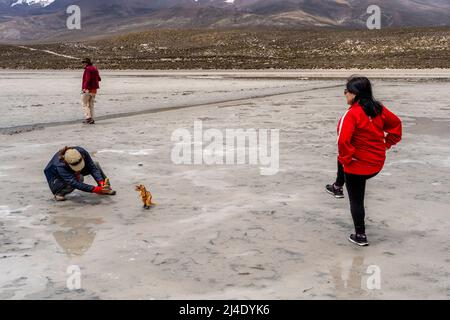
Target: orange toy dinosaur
[(146, 196)]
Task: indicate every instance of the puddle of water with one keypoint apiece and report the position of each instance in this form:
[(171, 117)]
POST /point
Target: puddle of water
[(427, 126), (349, 280), (78, 234)]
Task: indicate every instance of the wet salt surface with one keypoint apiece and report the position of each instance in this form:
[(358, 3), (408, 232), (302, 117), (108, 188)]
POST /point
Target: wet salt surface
[(28, 99), (224, 232), (429, 126)]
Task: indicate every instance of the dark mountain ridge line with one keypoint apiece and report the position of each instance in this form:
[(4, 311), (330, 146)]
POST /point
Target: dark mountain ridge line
[(114, 16)]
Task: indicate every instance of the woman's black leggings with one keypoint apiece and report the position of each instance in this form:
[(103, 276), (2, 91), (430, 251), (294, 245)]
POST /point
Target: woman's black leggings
[(356, 188)]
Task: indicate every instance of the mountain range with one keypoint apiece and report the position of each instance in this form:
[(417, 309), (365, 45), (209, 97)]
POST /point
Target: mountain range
[(45, 20)]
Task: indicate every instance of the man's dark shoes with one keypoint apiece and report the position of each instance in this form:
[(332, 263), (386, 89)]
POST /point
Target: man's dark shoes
[(89, 121)]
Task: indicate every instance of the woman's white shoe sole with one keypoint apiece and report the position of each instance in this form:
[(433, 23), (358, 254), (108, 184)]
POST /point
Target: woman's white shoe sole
[(337, 197), (357, 243)]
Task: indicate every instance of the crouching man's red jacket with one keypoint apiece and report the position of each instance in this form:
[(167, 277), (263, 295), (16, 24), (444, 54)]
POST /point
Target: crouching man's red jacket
[(363, 141)]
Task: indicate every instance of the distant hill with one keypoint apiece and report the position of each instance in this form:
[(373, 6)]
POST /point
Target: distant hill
[(243, 49), (44, 20)]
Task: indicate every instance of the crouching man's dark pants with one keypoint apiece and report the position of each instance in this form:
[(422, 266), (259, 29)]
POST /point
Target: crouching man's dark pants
[(62, 188)]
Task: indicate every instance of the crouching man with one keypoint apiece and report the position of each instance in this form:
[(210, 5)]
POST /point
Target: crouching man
[(66, 170)]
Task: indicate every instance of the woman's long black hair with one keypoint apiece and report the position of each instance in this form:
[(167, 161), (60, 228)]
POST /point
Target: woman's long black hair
[(362, 89)]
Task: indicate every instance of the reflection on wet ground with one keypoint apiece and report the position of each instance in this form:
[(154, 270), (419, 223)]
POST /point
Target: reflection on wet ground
[(349, 281), (76, 235)]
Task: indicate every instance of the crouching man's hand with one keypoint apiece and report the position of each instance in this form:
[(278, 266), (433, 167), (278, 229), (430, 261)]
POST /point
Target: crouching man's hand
[(104, 191)]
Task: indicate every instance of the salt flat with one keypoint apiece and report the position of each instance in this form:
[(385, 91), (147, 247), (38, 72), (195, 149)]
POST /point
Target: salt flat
[(221, 231)]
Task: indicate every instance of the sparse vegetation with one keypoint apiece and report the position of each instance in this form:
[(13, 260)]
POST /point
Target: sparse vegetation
[(246, 49)]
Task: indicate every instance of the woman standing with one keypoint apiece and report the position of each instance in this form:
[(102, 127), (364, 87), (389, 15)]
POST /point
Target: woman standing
[(365, 132)]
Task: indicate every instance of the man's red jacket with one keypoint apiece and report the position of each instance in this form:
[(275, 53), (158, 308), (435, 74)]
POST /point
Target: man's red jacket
[(363, 141), (91, 78)]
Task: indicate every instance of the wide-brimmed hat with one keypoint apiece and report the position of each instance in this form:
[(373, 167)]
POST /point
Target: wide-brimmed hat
[(74, 159)]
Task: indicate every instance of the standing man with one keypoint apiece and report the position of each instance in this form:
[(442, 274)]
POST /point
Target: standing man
[(91, 79)]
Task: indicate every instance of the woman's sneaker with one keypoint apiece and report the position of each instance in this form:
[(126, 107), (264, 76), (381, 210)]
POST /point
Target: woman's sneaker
[(359, 239), (337, 192)]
